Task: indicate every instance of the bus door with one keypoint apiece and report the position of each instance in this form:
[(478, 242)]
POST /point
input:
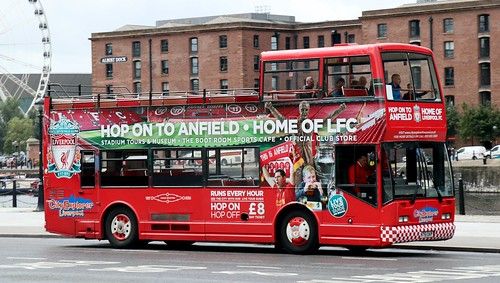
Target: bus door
[(233, 194), (175, 201), (70, 192), (353, 201), (88, 192)]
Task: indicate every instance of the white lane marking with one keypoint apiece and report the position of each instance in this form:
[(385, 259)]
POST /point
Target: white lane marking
[(53, 264), (253, 272), (27, 258), (149, 268), (257, 266), (369, 258), (436, 275)]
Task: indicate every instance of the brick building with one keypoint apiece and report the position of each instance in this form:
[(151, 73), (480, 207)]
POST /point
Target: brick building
[(220, 52)]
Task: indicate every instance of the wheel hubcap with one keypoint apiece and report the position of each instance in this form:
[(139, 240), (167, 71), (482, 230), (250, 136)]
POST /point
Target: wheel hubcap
[(121, 227), (298, 231)]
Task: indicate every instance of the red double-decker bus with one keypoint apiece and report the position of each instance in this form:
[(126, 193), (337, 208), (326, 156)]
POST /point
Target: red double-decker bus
[(340, 146)]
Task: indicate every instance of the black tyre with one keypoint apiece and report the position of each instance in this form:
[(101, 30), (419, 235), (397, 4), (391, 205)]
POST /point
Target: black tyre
[(121, 228), (298, 233), (474, 158), (179, 244), (357, 250)]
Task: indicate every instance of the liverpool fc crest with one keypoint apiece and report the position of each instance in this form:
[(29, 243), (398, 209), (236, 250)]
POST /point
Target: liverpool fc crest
[(63, 159)]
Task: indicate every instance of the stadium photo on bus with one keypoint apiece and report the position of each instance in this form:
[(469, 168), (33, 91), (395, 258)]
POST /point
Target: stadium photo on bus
[(340, 146)]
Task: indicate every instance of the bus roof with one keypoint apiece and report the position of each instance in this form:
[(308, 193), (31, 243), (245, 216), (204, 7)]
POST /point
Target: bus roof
[(341, 50)]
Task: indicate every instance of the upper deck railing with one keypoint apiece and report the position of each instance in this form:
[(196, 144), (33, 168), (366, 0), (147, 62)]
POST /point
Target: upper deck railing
[(84, 96)]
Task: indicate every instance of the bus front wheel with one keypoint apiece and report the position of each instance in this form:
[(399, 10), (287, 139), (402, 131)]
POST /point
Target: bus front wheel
[(121, 228), (298, 233)]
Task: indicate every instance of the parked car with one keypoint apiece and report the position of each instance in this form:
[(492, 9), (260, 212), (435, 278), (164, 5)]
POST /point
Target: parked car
[(470, 152), (493, 153)]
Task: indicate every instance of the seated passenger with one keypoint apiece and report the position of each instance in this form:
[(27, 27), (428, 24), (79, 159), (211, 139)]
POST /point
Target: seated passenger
[(411, 95), (337, 91), (361, 84), (309, 85), (396, 88)]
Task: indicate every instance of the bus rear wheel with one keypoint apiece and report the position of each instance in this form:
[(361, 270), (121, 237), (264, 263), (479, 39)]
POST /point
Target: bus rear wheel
[(121, 228), (298, 233)]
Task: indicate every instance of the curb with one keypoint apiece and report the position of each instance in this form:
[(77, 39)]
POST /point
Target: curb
[(451, 249), (30, 236)]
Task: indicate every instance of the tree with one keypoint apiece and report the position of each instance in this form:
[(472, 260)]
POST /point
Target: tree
[(8, 110), (453, 120), (478, 123), (20, 130)]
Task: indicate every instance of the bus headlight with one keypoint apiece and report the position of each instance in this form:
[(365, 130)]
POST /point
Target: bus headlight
[(403, 219), (446, 216)]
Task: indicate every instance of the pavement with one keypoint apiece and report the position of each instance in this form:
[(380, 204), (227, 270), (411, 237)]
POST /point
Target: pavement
[(474, 233)]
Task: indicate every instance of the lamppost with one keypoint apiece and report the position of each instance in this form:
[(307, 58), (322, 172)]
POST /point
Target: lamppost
[(39, 108), (15, 144)]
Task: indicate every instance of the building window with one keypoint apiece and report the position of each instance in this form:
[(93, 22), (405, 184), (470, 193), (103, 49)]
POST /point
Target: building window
[(382, 30), (256, 84), (484, 47), (137, 87), (136, 49), (484, 23), (109, 49), (193, 44), (450, 100), (256, 41), (351, 38), (449, 49), (164, 67), (195, 85), (485, 98), (164, 45), (448, 25), (137, 69), (274, 42), (414, 28), (224, 85), (274, 83), (223, 64), (306, 41), (288, 44), (485, 74), (256, 62), (336, 39), (109, 89), (165, 88), (416, 73), (449, 76), (223, 41), (321, 41), (194, 65), (109, 70)]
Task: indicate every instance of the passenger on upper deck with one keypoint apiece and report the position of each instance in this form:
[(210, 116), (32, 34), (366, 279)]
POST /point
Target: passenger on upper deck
[(411, 95), (396, 88), (337, 91), (361, 83), (309, 83)]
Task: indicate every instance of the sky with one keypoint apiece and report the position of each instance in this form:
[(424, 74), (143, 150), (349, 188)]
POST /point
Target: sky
[(71, 22)]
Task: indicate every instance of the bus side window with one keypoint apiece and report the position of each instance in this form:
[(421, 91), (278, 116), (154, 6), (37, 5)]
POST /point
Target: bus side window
[(356, 171), (87, 175)]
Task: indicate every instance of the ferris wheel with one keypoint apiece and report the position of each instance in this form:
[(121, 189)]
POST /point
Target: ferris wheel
[(25, 52)]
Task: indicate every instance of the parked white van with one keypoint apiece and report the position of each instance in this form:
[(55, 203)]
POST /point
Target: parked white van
[(470, 152)]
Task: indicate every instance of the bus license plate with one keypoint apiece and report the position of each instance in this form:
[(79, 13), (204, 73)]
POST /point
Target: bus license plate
[(427, 234)]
